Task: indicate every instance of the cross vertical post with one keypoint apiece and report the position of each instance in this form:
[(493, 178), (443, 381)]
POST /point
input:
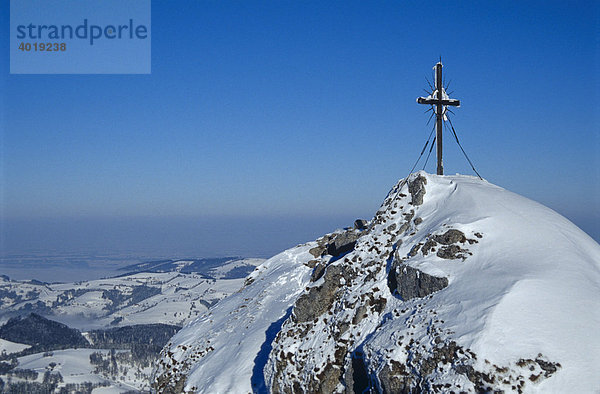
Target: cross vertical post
[(440, 100), (439, 118)]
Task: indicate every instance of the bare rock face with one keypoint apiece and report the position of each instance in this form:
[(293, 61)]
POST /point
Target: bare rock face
[(318, 251), (411, 283), (312, 263), (318, 272), (175, 389), (414, 376), (360, 224), (322, 244), (416, 188), (450, 252), (447, 245), (339, 243), (170, 383), (343, 243), (319, 298), (451, 236), (394, 378)]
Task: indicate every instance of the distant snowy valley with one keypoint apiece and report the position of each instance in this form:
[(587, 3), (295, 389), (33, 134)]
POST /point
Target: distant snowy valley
[(104, 335)]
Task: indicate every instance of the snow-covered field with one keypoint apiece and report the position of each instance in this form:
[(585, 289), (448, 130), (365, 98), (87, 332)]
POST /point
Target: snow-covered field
[(9, 347), (519, 309), (74, 367)]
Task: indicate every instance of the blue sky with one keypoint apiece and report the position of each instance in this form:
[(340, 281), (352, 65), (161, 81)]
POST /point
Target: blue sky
[(302, 113)]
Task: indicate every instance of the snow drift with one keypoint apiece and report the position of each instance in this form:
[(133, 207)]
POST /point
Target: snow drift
[(455, 284)]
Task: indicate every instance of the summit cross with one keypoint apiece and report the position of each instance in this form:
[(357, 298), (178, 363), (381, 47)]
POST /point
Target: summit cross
[(439, 98)]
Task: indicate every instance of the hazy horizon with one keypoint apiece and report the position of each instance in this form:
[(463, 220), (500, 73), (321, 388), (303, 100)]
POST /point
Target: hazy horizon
[(91, 247)]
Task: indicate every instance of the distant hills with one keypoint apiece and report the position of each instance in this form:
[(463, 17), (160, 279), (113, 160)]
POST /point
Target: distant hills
[(167, 292), (215, 268)]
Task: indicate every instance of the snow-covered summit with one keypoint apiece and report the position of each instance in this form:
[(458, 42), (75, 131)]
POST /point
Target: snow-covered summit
[(455, 284)]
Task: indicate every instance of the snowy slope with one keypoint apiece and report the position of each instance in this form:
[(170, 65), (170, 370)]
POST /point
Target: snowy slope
[(235, 328), (456, 285), (9, 347)]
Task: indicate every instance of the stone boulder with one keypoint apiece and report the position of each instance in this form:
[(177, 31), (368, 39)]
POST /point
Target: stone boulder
[(411, 283), (343, 243), (360, 224), (317, 272), (318, 251), (416, 188), (450, 252), (451, 236)]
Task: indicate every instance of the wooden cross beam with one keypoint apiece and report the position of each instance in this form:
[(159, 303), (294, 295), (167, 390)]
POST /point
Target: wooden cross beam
[(440, 100)]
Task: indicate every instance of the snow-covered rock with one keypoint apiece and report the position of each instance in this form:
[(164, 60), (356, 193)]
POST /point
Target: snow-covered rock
[(455, 285)]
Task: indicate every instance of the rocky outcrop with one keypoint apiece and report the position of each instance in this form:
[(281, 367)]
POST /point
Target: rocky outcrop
[(318, 272), (409, 282), (450, 252), (337, 244), (318, 299), (318, 251), (416, 188), (417, 374), (165, 385), (450, 237), (343, 243), (448, 245), (394, 378), (360, 224)]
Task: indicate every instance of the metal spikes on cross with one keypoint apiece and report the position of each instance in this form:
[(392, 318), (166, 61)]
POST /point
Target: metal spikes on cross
[(439, 101)]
